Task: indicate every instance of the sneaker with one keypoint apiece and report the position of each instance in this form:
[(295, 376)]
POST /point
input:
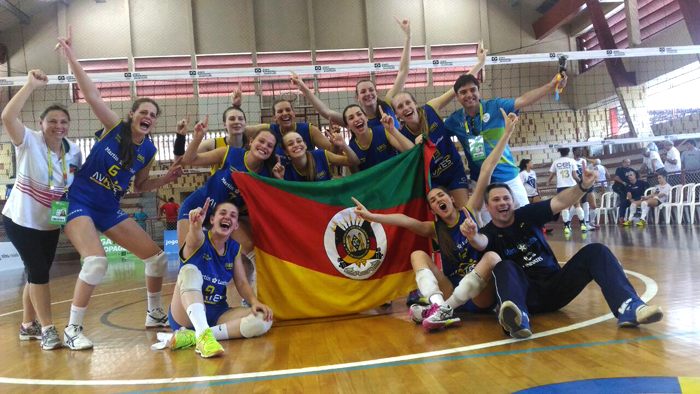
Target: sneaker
[(513, 320), (415, 297), (590, 226), (418, 312), (75, 339), (439, 316), (620, 221), (207, 346), (634, 312), (627, 223), (641, 223), (31, 332), (567, 229), (584, 228), (182, 338), (50, 339), (157, 318)]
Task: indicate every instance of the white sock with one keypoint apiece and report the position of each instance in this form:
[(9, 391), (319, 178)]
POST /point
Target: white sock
[(469, 287), (46, 328), (153, 300), (633, 210), (220, 332), (645, 210), (76, 315), (198, 317), (586, 211), (593, 215), (565, 215), (27, 325), (579, 213), (428, 285)]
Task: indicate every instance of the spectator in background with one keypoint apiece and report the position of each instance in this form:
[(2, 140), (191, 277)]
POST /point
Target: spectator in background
[(635, 192), (652, 163), (171, 210), (141, 217), (529, 178), (672, 163), (690, 158), (603, 175), (620, 187)]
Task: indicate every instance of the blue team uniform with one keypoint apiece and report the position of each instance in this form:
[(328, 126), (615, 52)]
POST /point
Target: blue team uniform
[(376, 122), (217, 272), (323, 171), (101, 181), (220, 186), (379, 149), (467, 257), (446, 168), (491, 127), (303, 129)]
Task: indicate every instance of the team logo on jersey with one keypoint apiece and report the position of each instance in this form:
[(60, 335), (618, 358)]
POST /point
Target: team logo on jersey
[(141, 158), (522, 247), (206, 257), (355, 247), (487, 117)]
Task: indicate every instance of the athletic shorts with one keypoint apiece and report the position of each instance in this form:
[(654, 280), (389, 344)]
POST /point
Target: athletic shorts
[(454, 182), (213, 312), (193, 201), (103, 219), (561, 189)]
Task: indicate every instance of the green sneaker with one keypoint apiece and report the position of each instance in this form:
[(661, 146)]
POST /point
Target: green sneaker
[(207, 346), (182, 338)]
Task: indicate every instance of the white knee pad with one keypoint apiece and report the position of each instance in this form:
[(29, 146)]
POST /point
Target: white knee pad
[(94, 269), (252, 326), (189, 278), (156, 265)]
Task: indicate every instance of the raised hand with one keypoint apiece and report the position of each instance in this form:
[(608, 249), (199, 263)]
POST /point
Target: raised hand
[(405, 25), (65, 44), (559, 80), (387, 120), (334, 135), (175, 170), (296, 79), (278, 170), (361, 211), (419, 140), (183, 125), (589, 178), (197, 215), (468, 227), (511, 119), (237, 96), (481, 52), (200, 130), (37, 78)]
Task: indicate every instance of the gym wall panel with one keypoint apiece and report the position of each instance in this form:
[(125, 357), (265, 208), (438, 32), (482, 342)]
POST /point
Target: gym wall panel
[(222, 26), (383, 29), (453, 22), (38, 45), (159, 28), (101, 29), (341, 26), (281, 25)]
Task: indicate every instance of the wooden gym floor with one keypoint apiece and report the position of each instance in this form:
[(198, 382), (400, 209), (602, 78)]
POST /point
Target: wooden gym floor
[(382, 351)]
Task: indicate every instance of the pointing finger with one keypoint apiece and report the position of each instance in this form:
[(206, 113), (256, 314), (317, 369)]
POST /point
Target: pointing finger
[(206, 121)]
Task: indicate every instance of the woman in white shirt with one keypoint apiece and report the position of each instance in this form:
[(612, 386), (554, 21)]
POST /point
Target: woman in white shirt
[(529, 178), (46, 161), (660, 195)]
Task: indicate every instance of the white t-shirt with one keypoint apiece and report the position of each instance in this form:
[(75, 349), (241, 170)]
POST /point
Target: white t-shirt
[(529, 179), (673, 154), (663, 189), (655, 159), (564, 167), (29, 204), (602, 174)]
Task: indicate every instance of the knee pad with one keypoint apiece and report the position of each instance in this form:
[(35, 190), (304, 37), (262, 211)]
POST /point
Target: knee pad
[(156, 265), (190, 278), (252, 326), (94, 269)]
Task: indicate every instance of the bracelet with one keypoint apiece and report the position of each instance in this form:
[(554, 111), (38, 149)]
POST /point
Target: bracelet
[(179, 146), (580, 186)]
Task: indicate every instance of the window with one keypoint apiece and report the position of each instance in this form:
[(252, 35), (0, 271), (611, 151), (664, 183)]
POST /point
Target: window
[(275, 85), (341, 82), (385, 80), (110, 91), (224, 86), (173, 88), (447, 76)]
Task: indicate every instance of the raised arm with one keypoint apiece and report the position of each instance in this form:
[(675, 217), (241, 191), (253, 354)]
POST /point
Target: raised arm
[(11, 113), (193, 156), (538, 94), (348, 158), (476, 200), (404, 64), (319, 105), (195, 235), (551, 176), (107, 117), (319, 139), (440, 102), (396, 139), (143, 182), (469, 230), (571, 195), (424, 229)]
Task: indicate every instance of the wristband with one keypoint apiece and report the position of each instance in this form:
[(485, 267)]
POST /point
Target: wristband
[(580, 186), (179, 146)]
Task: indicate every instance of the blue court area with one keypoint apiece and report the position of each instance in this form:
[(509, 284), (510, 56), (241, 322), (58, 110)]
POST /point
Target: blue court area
[(621, 386)]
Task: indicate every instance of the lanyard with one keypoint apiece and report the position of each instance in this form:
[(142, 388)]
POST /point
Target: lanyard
[(63, 161), (481, 119)]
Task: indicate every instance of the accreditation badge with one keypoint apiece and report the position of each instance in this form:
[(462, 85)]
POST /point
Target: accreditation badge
[(59, 212), (476, 148)]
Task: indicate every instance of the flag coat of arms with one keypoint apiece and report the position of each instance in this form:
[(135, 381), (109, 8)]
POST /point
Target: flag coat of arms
[(316, 258)]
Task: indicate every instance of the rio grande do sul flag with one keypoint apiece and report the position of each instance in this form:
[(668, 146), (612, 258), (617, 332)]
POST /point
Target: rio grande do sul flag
[(316, 258)]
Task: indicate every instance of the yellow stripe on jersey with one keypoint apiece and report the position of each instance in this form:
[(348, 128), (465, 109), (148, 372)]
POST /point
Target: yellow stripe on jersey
[(219, 142)]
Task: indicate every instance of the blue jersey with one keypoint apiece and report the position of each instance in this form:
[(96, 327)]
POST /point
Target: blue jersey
[(376, 122), (378, 150), (491, 127), (323, 171), (303, 129), (220, 186), (216, 269), (446, 163), (101, 181), (467, 256)]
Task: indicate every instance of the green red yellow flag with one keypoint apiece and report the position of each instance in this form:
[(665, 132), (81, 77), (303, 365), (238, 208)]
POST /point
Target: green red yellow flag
[(316, 258)]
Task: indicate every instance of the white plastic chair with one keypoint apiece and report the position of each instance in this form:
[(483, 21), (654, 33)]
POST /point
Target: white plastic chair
[(692, 201), (607, 205), (686, 196), (674, 199)]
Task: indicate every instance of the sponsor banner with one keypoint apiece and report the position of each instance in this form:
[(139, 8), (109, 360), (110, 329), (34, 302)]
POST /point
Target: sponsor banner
[(170, 242), (601, 142), (9, 257), (284, 72), (114, 251)]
